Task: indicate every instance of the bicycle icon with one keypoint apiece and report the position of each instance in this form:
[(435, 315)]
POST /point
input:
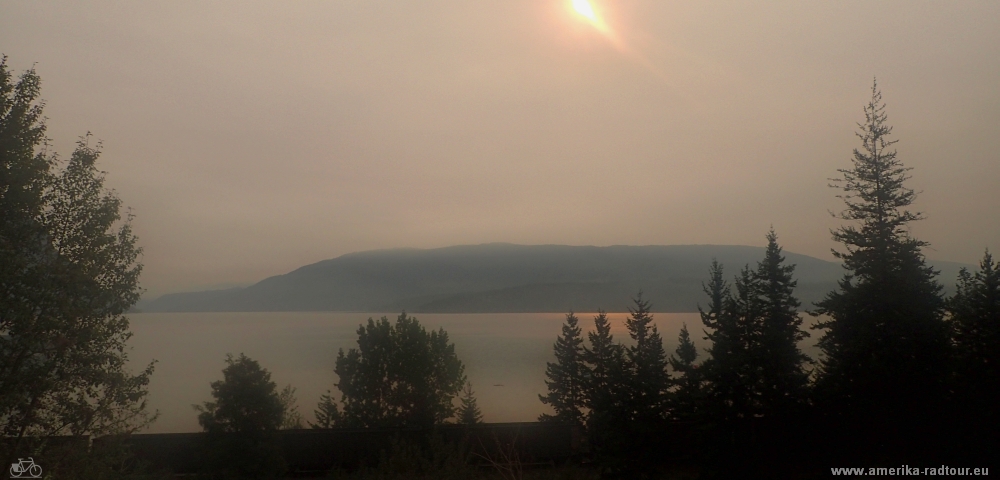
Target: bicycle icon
[(28, 467)]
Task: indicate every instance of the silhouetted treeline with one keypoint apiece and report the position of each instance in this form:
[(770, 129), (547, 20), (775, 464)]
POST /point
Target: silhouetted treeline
[(906, 375)]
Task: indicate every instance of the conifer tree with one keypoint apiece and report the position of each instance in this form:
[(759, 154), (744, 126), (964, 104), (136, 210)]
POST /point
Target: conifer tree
[(719, 367), (743, 311), (468, 412), (975, 320), (783, 378), (647, 362), (718, 291), (565, 377), (688, 392), (756, 366), (610, 420), (645, 396), (290, 417), (604, 370), (885, 343), (726, 355), (327, 413)]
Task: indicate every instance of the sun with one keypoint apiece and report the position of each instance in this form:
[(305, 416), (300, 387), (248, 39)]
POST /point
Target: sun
[(583, 8), (586, 10)]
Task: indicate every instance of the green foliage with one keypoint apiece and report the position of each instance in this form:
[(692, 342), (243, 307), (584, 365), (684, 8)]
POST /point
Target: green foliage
[(885, 344), (242, 421), (469, 413), (68, 272), (327, 413), (565, 377), (400, 375)]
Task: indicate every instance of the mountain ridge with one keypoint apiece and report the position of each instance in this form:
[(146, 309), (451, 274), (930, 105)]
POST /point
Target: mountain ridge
[(504, 277)]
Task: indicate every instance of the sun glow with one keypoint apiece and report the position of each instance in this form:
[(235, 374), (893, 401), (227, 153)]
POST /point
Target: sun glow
[(583, 8), (586, 10)]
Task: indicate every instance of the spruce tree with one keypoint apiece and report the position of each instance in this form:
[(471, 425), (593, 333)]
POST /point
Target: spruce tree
[(604, 366), (565, 377), (688, 393), (468, 412), (756, 367), (975, 319), (647, 362), (290, 417), (783, 378), (743, 312), (733, 371), (738, 371), (885, 343), (726, 354), (608, 419), (647, 384), (327, 413)]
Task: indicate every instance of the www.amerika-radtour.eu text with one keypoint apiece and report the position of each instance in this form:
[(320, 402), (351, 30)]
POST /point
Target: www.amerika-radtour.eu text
[(908, 470)]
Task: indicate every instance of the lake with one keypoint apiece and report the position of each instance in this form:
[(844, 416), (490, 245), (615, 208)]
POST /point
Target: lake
[(504, 354)]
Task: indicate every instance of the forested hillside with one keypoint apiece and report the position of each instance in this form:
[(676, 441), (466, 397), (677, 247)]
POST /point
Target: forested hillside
[(505, 278)]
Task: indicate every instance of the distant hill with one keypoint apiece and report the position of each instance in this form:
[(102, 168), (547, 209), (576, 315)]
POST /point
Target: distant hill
[(501, 277)]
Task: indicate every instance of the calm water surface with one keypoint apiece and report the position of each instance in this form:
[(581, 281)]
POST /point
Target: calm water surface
[(504, 354)]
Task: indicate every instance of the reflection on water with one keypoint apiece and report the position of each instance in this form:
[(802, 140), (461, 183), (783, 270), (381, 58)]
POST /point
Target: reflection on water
[(504, 354)]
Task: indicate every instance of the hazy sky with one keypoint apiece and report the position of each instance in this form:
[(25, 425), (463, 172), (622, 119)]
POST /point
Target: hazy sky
[(251, 138)]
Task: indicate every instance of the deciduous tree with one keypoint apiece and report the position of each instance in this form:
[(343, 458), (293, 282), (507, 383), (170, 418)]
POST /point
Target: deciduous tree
[(242, 420), (69, 271), (400, 375)]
